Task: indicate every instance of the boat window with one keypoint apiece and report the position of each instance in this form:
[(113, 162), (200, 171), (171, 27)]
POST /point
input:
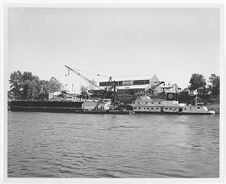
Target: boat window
[(170, 108), (152, 102), (159, 102), (166, 108), (148, 108), (139, 107), (198, 107)]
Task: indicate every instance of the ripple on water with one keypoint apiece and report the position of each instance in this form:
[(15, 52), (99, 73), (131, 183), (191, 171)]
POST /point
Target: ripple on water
[(78, 145)]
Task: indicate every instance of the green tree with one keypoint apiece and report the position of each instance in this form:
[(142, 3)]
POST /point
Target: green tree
[(16, 85), (197, 81), (54, 85), (84, 91), (215, 84), (44, 87), (34, 88), (29, 87)]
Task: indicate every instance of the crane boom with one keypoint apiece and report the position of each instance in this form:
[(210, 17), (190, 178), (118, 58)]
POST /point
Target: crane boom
[(83, 77), (91, 82), (155, 86)]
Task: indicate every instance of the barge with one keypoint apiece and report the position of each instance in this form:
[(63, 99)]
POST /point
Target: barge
[(89, 107), (142, 105), (46, 106)]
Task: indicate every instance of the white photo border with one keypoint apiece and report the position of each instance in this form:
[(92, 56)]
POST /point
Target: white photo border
[(101, 4)]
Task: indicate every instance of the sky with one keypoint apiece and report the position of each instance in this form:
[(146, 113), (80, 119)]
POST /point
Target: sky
[(171, 43)]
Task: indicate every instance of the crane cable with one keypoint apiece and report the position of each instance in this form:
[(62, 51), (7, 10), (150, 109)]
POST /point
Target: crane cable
[(84, 71), (107, 76)]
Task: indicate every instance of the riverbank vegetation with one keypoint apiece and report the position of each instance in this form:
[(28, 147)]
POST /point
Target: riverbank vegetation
[(26, 86)]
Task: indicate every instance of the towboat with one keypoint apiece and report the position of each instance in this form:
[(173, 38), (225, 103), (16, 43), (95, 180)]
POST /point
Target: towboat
[(145, 104)]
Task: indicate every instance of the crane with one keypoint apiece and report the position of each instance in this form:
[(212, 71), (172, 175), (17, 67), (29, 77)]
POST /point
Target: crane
[(83, 77), (155, 86), (95, 85), (174, 86)]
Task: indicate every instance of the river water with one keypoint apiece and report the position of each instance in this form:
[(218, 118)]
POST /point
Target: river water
[(86, 145)]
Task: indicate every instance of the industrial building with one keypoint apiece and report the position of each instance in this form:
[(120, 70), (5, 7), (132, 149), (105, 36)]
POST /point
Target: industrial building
[(128, 90)]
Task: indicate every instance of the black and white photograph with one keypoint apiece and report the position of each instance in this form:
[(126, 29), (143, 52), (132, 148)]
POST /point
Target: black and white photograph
[(113, 92)]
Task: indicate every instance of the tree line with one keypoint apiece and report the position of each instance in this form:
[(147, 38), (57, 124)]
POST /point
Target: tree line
[(26, 86), (198, 82), (209, 91)]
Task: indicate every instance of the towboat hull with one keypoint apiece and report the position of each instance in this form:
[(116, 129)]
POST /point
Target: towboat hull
[(173, 113)]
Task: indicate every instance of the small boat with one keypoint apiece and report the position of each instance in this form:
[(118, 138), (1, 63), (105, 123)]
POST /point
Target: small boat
[(145, 104)]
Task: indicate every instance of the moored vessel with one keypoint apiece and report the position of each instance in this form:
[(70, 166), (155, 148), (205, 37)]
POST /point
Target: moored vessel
[(145, 104), (45, 106)]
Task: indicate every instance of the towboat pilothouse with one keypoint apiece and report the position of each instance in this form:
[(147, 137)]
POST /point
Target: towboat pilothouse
[(145, 104)]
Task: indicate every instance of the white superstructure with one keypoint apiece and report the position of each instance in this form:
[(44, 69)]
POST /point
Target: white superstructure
[(145, 104)]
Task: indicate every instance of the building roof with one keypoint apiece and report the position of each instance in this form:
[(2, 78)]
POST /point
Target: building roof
[(133, 87), (128, 78), (154, 78)]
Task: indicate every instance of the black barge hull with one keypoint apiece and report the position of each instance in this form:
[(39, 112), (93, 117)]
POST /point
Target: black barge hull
[(45, 106)]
